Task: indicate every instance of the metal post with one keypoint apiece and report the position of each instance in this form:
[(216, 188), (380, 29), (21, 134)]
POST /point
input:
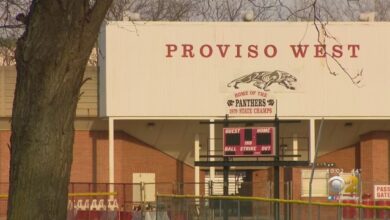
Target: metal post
[(158, 207), (187, 208), (225, 181), (339, 214), (287, 206), (220, 207), (239, 210), (313, 163), (197, 171), (319, 213), (212, 148), (312, 140), (276, 170), (299, 211), (360, 192), (225, 190), (210, 187)]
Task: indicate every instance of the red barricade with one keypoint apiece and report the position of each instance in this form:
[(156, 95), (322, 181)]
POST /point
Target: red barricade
[(349, 212), (102, 215), (381, 213), (180, 216), (88, 215), (368, 213), (124, 216)]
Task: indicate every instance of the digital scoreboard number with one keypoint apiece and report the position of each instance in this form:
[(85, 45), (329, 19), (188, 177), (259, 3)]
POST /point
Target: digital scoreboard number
[(249, 141)]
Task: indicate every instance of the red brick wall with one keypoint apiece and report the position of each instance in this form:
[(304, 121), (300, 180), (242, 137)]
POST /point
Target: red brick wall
[(374, 156), (90, 162), (343, 158), (90, 165), (4, 156), (4, 168), (90, 159), (371, 155), (262, 182), (296, 175)]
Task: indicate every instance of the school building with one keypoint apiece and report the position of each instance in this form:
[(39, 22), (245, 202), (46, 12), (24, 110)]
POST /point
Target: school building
[(163, 92)]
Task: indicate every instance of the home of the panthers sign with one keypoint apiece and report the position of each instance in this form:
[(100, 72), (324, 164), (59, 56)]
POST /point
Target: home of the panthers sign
[(251, 102), (205, 70), (256, 102)]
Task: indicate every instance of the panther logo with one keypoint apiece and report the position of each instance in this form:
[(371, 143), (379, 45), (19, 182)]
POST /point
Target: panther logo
[(264, 79)]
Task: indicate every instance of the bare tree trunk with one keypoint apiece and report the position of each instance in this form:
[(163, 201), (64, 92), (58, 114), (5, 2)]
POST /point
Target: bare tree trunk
[(51, 57)]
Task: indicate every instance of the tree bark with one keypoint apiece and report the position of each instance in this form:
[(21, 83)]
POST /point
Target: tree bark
[(51, 57)]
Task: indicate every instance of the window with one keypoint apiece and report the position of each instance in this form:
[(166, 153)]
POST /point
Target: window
[(319, 185)]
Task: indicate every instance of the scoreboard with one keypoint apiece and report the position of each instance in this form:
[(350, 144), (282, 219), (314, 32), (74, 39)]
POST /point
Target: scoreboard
[(249, 141)]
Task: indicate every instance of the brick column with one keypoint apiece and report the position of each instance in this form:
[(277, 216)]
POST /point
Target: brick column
[(374, 159)]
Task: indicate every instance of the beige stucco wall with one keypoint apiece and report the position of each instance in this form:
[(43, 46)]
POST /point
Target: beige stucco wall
[(184, 69)]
